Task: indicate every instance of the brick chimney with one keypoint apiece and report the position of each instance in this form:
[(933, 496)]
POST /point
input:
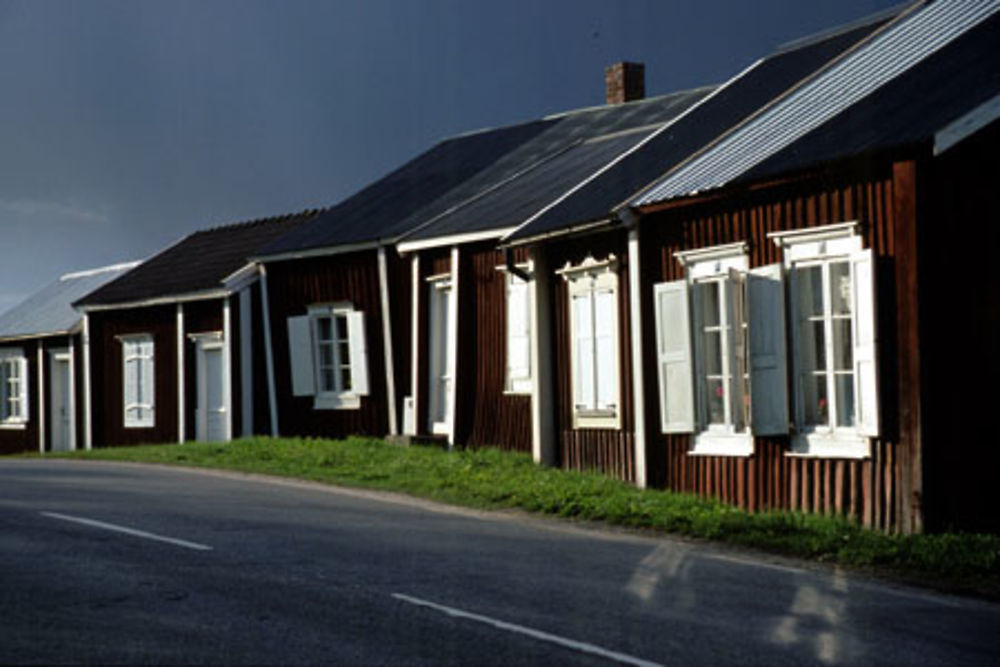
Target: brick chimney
[(625, 82)]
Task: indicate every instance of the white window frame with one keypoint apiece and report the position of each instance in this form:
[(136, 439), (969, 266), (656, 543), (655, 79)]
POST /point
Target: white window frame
[(518, 380), (132, 352), (725, 267), (338, 397), (822, 247), (586, 280), (13, 369)]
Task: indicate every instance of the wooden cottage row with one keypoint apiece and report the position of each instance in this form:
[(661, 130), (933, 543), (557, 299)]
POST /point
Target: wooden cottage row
[(775, 292)]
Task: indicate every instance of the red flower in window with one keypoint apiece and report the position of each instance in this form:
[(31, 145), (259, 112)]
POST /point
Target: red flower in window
[(719, 391)]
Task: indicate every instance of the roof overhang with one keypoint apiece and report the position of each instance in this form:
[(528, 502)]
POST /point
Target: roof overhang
[(19, 338), (573, 230), (204, 295), (321, 252), (966, 125), (454, 239)]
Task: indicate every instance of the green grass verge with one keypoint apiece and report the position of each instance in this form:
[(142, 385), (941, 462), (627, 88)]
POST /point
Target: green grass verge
[(489, 478)]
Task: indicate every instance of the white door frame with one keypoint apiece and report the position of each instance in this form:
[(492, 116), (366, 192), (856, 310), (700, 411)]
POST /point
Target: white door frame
[(204, 342), (63, 355), (441, 350)]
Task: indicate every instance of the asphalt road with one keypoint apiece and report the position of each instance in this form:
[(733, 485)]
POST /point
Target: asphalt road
[(221, 568)]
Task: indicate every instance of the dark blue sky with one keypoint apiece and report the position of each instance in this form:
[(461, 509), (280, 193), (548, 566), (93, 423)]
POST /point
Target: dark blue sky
[(125, 125)]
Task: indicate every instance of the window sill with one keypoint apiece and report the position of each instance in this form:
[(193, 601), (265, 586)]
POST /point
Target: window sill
[(337, 402), (829, 446), (721, 444), (517, 392), (592, 420), (13, 426)]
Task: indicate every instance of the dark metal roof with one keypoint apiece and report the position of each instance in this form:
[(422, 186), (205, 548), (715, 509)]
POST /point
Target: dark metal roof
[(551, 164), (463, 168), (727, 106), (50, 310), (199, 262), (380, 210), (909, 110), (917, 36)]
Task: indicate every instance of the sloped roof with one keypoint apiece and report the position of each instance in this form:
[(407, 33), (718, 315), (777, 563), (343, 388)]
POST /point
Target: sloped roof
[(379, 210), (730, 104), (50, 310), (465, 167), (583, 143), (900, 48), (197, 263)]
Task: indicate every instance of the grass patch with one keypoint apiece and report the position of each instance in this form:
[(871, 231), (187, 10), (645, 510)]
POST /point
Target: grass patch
[(492, 479)]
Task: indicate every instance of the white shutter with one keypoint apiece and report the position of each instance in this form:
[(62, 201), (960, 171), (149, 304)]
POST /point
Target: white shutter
[(147, 397), (359, 352), (300, 354), (23, 387), (130, 376), (518, 340), (768, 357), (605, 323), (673, 353), (865, 343), (583, 352)]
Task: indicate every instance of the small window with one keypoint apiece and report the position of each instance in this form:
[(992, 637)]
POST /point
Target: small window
[(329, 356), (593, 296), (518, 335), (13, 388), (137, 381)]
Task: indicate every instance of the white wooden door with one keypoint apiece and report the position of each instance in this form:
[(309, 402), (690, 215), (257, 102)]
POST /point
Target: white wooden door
[(440, 357), (61, 401), (211, 415)]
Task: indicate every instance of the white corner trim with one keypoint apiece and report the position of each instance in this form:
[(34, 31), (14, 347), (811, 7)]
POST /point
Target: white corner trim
[(88, 434), (415, 341), (181, 408), (272, 399), (40, 363), (227, 367), (390, 376), (246, 362), (452, 335), (635, 327)]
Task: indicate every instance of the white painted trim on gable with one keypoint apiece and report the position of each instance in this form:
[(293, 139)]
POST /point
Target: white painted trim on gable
[(88, 434), (157, 301), (543, 441), (246, 361), (390, 379), (240, 278), (635, 327), (272, 399), (322, 252), (406, 247), (181, 435), (453, 342)]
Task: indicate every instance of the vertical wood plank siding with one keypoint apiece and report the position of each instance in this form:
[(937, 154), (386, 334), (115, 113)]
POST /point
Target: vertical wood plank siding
[(486, 416), (610, 451), (292, 287), (868, 489), (106, 374)]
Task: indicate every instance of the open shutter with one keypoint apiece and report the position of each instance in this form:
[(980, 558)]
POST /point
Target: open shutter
[(359, 352), (130, 378), (673, 353), (23, 387), (865, 343), (583, 352), (300, 355), (606, 351), (148, 399), (518, 341), (768, 357)]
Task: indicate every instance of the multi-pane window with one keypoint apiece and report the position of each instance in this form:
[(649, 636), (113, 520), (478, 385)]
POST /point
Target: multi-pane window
[(13, 388), (593, 295), (518, 335), (720, 348), (137, 381), (328, 356), (333, 353)]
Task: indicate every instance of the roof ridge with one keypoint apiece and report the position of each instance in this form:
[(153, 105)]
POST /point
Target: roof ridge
[(844, 28), (110, 268), (272, 219)]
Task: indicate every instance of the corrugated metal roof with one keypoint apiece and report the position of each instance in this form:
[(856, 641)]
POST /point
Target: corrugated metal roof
[(198, 262), (728, 105), (50, 310), (846, 82)]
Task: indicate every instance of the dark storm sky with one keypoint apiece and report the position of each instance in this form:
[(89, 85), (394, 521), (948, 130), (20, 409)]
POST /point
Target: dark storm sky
[(125, 125)]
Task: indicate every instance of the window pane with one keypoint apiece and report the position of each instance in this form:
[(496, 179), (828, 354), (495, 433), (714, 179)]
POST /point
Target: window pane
[(843, 349), (708, 296), (712, 341), (815, 346), (715, 399), (840, 288), (816, 404), (325, 355), (845, 399), (345, 378), (342, 326), (810, 291), (325, 328), (585, 380), (327, 379)]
